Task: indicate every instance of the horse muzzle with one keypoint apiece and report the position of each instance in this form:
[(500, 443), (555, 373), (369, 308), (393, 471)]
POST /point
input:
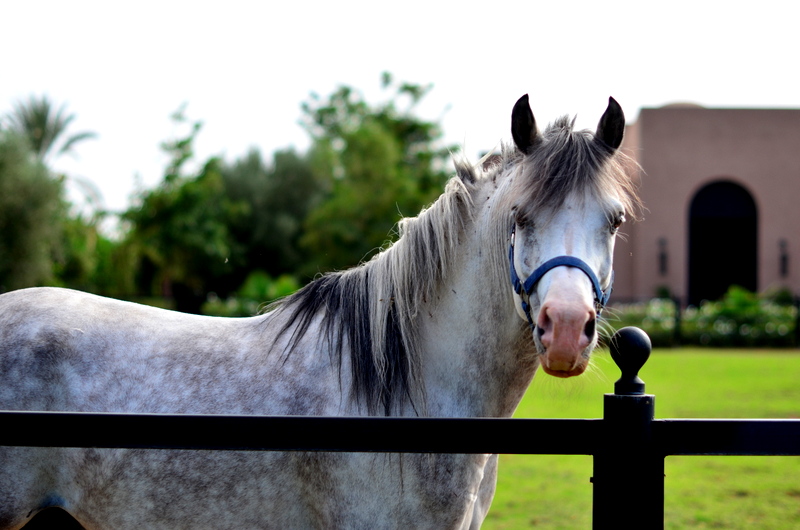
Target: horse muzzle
[(565, 334)]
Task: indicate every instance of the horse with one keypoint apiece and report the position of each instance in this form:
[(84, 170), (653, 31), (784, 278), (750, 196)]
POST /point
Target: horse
[(505, 272)]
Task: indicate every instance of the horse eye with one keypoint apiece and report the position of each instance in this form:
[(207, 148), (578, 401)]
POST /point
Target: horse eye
[(617, 222)]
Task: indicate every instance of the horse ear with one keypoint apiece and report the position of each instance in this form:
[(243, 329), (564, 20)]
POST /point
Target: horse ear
[(612, 125), (523, 126)]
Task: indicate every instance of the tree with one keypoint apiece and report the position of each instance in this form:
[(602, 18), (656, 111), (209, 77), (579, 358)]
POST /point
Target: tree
[(180, 228), (31, 214), (375, 163), (279, 197), (88, 260), (46, 241), (45, 127)]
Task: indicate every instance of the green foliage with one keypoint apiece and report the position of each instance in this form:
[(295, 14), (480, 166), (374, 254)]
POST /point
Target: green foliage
[(67, 246), (45, 127), (279, 197), (782, 296), (256, 293), (374, 164), (90, 261), (77, 261), (740, 318), (180, 229), (31, 212), (657, 317)]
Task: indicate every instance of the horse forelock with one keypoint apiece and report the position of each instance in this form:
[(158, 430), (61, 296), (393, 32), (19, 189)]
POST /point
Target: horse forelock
[(567, 161), (370, 312)]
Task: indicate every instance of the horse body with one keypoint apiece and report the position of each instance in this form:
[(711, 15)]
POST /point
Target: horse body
[(157, 361), (431, 326)]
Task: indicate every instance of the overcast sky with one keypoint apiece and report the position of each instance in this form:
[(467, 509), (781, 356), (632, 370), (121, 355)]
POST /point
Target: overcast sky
[(244, 68)]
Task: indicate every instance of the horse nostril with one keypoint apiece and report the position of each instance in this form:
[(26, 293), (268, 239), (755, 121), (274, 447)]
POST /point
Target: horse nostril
[(589, 328)]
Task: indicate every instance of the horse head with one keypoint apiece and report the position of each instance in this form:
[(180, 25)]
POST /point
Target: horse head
[(573, 194)]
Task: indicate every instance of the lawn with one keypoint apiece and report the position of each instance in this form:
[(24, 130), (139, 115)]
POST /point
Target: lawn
[(553, 491)]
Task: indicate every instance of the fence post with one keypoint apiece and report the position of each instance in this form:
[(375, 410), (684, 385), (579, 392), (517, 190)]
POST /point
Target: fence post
[(628, 469)]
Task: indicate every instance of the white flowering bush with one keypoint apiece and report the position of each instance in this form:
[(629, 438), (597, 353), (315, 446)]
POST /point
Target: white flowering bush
[(740, 318), (657, 317)]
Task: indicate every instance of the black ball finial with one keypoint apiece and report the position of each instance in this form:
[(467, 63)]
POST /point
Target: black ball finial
[(630, 349)]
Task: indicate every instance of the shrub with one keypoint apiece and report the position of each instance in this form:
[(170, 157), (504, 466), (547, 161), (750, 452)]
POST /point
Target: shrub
[(740, 318), (257, 291), (656, 317)]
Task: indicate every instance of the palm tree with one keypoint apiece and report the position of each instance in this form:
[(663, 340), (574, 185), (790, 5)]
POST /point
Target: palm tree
[(45, 127)]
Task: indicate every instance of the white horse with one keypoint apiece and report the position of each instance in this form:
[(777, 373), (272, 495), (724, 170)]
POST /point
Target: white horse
[(452, 320)]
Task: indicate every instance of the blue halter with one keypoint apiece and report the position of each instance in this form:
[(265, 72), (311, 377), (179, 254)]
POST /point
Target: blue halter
[(600, 296)]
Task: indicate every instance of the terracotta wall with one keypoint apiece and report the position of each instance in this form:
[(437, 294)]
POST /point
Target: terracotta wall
[(683, 148)]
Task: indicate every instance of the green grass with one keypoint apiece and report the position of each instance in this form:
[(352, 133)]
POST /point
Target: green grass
[(553, 491)]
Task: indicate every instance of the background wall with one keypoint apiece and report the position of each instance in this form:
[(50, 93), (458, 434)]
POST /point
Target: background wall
[(681, 149)]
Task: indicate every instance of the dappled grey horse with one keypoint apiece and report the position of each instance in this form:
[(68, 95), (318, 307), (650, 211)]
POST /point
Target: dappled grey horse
[(505, 272)]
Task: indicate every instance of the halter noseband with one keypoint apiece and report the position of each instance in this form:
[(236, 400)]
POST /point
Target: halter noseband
[(600, 296)]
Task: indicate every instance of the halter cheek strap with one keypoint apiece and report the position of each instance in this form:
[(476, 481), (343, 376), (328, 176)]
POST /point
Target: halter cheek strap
[(600, 296)]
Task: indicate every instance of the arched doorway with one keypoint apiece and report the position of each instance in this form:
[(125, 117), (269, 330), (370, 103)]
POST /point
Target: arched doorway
[(723, 246)]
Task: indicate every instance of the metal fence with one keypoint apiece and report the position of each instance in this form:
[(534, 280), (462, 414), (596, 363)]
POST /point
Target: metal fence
[(628, 444)]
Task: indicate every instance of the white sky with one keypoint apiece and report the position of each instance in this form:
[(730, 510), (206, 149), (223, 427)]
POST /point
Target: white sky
[(244, 68)]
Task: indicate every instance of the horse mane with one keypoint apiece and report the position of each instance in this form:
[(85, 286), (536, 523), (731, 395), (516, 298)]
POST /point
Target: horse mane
[(372, 308)]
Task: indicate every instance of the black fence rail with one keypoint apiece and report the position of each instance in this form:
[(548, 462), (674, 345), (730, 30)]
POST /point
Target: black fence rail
[(628, 444)]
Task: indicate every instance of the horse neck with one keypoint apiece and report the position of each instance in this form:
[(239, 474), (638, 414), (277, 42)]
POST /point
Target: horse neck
[(479, 355)]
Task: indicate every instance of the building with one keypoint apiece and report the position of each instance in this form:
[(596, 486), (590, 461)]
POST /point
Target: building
[(722, 192)]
